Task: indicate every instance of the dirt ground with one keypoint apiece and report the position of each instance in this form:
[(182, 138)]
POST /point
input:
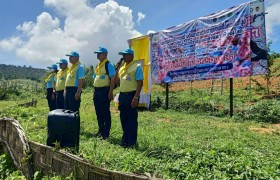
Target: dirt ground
[(243, 83), (269, 129)]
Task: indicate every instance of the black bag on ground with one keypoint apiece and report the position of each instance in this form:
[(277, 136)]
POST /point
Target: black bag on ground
[(64, 127)]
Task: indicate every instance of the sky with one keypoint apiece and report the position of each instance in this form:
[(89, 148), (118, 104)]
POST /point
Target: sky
[(38, 33)]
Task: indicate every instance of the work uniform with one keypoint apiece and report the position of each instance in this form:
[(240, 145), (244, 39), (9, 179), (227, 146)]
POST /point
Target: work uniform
[(129, 75), (50, 83), (60, 85), (74, 73), (101, 86)]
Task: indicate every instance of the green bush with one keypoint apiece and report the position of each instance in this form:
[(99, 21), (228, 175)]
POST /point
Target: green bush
[(8, 169), (88, 77), (199, 102), (262, 111), (8, 88), (218, 105)]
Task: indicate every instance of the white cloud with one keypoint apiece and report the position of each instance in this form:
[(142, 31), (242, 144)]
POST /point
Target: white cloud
[(26, 27), (151, 32), (272, 18), (85, 29), (141, 16), (10, 43)]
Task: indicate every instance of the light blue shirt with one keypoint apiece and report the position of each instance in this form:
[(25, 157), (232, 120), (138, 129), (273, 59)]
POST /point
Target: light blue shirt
[(50, 82), (80, 75), (111, 70), (139, 73)]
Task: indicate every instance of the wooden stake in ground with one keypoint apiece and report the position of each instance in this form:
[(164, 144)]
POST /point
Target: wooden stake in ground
[(221, 86)]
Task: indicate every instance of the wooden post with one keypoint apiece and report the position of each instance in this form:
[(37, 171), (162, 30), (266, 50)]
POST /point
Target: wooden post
[(212, 86), (167, 95), (231, 97), (191, 88), (250, 86), (222, 86)]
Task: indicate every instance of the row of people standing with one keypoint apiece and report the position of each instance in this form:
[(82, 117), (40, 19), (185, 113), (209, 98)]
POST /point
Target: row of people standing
[(128, 74), (64, 87)]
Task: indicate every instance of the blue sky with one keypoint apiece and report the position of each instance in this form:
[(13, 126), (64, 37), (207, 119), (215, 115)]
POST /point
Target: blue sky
[(159, 14)]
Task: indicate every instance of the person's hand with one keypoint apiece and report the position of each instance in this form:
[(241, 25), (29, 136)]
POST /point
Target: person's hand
[(64, 93), (77, 96), (53, 96), (134, 102), (119, 62), (110, 96)]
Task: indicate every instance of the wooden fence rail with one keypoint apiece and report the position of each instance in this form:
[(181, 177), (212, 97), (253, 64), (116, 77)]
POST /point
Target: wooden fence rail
[(30, 156)]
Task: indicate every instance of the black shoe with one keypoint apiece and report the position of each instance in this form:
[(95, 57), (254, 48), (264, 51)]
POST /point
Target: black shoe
[(133, 146), (105, 137), (98, 134), (124, 145)]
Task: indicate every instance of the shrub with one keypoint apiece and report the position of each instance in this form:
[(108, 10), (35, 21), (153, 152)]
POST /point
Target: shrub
[(262, 111)]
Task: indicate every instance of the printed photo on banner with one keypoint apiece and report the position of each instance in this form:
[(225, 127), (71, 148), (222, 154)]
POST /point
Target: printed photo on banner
[(227, 44)]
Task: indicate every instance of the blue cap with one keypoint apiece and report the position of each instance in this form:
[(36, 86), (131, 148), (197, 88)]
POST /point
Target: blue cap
[(127, 51), (101, 50), (54, 66), (74, 54), (62, 61)]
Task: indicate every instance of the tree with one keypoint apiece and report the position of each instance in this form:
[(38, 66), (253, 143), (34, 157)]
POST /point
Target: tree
[(272, 56), (88, 76)]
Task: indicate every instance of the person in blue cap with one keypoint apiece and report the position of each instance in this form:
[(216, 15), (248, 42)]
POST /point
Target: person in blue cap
[(103, 92), (74, 81), (131, 78), (50, 86), (60, 83)]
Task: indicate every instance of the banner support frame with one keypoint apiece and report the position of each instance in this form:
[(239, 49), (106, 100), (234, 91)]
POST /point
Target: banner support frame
[(166, 96), (231, 97)]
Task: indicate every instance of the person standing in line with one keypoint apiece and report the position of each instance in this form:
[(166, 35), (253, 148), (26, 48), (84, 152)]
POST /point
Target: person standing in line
[(60, 83), (131, 78), (50, 87), (103, 92), (74, 82)]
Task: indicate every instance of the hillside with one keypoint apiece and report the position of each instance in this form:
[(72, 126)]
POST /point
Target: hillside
[(18, 72)]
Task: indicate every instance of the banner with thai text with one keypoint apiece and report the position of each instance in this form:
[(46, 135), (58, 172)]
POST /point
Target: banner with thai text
[(227, 44)]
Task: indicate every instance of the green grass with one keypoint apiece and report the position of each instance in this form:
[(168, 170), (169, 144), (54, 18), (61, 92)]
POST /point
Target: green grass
[(8, 171), (172, 144)]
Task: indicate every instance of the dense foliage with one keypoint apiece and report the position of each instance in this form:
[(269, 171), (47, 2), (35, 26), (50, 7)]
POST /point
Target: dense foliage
[(18, 72)]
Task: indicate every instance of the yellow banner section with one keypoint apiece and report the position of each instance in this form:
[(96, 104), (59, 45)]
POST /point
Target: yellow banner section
[(141, 49)]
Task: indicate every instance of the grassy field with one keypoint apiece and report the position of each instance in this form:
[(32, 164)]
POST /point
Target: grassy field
[(179, 143)]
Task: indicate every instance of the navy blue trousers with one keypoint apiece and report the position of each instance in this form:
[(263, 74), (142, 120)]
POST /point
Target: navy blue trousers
[(70, 102), (51, 103), (59, 99), (102, 109), (129, 118)]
